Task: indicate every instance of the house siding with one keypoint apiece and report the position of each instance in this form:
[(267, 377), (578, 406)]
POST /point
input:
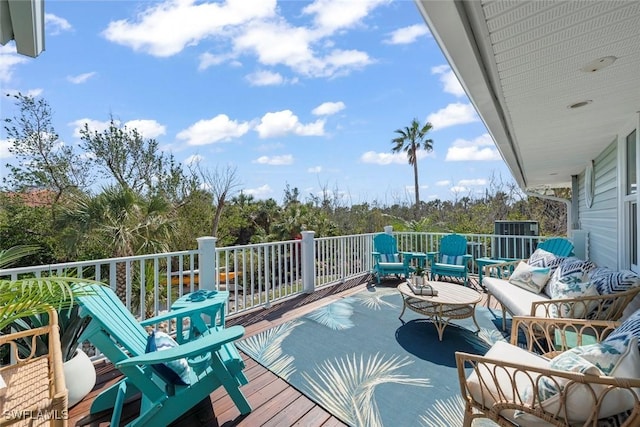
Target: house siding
[(601, 219)]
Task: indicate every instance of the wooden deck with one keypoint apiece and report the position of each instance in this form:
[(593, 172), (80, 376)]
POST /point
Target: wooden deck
[(274, 401)]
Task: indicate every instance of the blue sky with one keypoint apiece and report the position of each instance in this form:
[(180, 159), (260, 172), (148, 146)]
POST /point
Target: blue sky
[(288, 92)]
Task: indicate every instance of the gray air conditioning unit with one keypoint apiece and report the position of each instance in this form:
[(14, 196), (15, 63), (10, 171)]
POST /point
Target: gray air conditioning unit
[(515, 239)]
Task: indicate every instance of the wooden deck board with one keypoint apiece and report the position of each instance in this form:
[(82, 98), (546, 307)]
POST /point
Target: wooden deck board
[(274, 401)]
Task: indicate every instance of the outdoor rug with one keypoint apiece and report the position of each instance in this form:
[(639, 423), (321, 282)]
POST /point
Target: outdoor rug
[(355, 358)]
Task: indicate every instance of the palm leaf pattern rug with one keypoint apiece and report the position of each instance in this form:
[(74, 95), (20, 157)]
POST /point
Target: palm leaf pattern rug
[(355, 358)]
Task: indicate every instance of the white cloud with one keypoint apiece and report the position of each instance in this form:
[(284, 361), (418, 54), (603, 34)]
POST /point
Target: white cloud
[(285, 122), (472, 182), (8, 60), (390, 158), (4, 149), (193, 159), (408, 34), (265, 78), (453, 114), (261, 192), (55, 25), (443, 183), (81, 78), (449, 80), (147, 128), (411, 189), (94, 126), (459, 189), (165, 29), (270, 147), (328, 108), (333, 15), (286, 159), (383, 158), (315, 169), (219, 128), (481, 148), (209, 60)]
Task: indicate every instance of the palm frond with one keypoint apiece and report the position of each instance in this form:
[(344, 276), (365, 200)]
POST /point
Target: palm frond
[(374, 300), (266, 349), (29, 297), (336, 316), (444, 413), (13, 254), (345, 386)]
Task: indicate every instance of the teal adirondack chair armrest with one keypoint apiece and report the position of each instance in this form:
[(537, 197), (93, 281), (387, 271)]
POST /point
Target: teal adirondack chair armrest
[(204, 344), (432, 257)]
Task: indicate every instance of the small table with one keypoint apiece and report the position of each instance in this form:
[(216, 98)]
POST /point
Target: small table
[(452, 302), (209, 303), (420, 256)]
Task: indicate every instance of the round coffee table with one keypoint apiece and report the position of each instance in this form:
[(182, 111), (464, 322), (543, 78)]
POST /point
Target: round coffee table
[(452, 302)]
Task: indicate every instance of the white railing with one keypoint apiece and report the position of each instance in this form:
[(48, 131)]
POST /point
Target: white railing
[(257, 275)]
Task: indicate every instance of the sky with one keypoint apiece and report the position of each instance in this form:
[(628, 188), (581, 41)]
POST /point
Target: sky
[(304, 94)]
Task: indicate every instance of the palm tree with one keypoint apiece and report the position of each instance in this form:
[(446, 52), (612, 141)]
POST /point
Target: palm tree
[(410, 140), (121, 221)]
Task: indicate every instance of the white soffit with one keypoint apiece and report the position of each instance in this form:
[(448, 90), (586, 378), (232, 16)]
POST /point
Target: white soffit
[(529, 55)]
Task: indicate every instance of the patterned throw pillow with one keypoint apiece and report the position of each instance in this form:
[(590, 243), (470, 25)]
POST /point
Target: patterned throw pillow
[(619, 359), (569, 287), (176, 371), (542, 258), (628, 330), (529, 277), (452, 259), (573, 265), (609, 281)]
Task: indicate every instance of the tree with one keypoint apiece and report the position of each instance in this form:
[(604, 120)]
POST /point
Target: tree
[(410, 140), (221, 183), (123, 222), (135, 162), (43, 160)]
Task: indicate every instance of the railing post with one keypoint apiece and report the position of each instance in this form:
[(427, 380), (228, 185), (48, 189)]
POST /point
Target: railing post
[(207, 262), (308, 249)]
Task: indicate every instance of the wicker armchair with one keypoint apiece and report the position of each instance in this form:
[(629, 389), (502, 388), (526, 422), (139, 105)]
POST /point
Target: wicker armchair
[(597, 307), (36, 394), (505, 389)]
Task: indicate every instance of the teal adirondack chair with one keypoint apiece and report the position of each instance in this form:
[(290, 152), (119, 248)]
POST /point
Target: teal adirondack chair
[(213, 359), (452, 259), (558, 246), (386, 258)]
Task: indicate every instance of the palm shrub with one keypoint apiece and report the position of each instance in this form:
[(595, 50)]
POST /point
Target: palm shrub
[(24, 303)]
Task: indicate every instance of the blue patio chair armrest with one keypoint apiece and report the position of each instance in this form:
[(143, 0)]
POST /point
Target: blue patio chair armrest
[(467, 257), (203, 344), (174, 314), (431, 256)]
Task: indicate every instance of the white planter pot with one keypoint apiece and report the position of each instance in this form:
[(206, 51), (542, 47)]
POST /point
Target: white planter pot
[(80, 376), (419, 280)]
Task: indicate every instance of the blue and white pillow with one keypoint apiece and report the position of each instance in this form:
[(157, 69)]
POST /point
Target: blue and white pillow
[(176, 371), (628, 330), (529, 277), (609, 281), (542, 258), (619, 359), (452, 259), (573, 265), (570, 287)]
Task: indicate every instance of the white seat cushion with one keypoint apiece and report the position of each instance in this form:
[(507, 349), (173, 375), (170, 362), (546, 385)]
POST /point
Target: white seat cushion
[(515, 299), (485, 390)]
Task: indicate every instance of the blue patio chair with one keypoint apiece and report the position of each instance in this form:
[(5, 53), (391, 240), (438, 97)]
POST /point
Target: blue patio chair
[(171, 380), (386, 258), (558, 246), (452, 259)]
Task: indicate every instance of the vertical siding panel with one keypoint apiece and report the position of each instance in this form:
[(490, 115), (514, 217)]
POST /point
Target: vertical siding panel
[(601, 219)]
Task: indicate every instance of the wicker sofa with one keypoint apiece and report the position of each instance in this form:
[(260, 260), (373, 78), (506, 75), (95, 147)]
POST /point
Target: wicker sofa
[(572, 288), (553, 380)]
